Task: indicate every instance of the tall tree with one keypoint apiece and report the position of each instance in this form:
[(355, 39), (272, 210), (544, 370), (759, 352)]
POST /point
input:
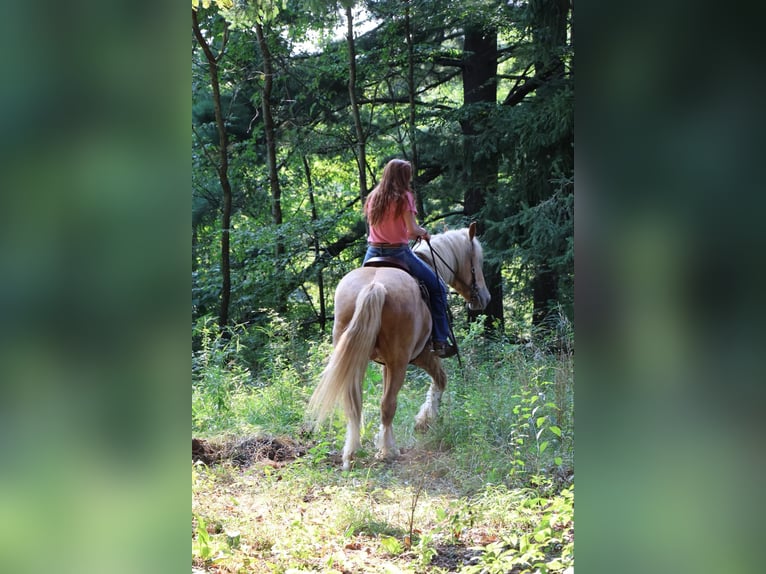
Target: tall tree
[(412, 95), (552, 160), (480, 163), (361, 138), (322, 316), (223, 162), (271, 142)]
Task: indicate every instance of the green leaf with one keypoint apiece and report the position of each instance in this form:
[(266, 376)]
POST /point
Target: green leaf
[(558, 461), (555, 430), (543, 446), (391, 545), (542, 535), (539, 422), (203, 539)]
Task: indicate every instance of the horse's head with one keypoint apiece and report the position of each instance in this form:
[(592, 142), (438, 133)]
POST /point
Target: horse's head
[(469, 275), (458, 258)]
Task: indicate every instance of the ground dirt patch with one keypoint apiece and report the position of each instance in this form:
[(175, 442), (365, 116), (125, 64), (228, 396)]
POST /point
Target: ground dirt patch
[(247, 450), (452, 557)]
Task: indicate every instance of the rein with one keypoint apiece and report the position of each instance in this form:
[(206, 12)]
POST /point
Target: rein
[(472, 288)]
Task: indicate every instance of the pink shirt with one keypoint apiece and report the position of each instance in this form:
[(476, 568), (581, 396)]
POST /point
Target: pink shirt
[(392, 229)]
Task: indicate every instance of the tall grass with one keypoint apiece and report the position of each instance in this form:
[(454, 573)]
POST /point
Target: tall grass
[(506, 416), (254, 380)]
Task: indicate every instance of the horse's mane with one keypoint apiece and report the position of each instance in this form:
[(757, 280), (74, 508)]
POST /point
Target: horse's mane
[(453, 247)]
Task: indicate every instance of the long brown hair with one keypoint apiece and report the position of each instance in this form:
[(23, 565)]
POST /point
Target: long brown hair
[(391, 190)]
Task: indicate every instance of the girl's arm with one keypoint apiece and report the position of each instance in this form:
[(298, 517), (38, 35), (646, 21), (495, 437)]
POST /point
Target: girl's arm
[(413, 229)]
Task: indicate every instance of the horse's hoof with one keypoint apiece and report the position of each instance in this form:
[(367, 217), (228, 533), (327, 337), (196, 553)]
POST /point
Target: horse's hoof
[(387, 455), (422, 425)]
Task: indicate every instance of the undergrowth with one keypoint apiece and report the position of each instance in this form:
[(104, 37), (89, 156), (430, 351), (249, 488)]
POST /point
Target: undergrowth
[(489, 488)]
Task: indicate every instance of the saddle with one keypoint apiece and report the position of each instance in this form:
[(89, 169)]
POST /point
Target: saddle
[(385, 261)]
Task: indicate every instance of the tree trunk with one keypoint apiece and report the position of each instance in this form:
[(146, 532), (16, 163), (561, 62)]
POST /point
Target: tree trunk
[(322, 317), (480, 86), (544, 296), (361, 145), (271, 144), (411, 90), (222, 168), (550, 17)]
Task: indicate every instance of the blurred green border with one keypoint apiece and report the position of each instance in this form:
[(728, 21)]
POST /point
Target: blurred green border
[(94, 216)]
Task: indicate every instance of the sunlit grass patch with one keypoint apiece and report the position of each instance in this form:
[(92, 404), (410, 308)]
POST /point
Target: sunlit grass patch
[(313, 517)]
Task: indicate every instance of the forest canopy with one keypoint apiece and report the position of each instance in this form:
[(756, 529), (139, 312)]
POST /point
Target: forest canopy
[(297, 105)]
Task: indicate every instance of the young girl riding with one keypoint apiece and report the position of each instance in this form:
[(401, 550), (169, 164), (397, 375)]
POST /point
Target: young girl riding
[(390, 210)]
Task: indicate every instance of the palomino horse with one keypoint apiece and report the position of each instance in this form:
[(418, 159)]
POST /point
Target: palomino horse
[(381, 316)]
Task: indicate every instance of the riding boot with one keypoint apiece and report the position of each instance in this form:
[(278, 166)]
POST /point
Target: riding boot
[(444, 349)]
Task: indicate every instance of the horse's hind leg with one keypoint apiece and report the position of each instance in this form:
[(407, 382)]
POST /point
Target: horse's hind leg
[(429, 362), (353, 442), (353, 408), (393, 378)]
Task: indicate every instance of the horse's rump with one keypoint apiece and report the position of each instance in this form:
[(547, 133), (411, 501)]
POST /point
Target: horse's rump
[(405, 322)]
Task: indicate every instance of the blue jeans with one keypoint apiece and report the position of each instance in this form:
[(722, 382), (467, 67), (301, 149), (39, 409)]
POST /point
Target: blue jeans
[(436, 291)]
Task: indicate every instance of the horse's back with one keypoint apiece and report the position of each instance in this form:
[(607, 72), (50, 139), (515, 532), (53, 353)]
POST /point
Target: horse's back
[(400, 285)]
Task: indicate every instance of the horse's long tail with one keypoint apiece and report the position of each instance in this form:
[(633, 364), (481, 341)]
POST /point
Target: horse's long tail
[(342, 378)]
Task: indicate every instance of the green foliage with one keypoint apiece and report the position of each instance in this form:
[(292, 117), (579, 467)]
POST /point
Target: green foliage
[(547, 548), (391, 545), (528, 211), (511, 503), (207, 548), (243, 12), (207, 3), (202, 549), (231, 394), (454, 520), (508, 416), (216, 377)]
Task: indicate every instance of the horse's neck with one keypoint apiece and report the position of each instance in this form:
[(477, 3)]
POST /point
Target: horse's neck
[(442, 269)]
